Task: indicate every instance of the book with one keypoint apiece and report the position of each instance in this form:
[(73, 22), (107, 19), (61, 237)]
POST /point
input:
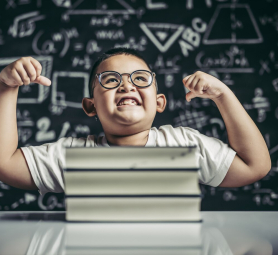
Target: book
[(133, 208), (132, 184), (126, 157)]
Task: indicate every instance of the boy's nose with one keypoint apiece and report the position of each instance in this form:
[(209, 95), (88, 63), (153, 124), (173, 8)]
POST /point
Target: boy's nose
[(126, 83)]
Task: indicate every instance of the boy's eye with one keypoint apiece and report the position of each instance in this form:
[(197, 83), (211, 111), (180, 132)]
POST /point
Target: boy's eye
[(140, 78), (111, 80)]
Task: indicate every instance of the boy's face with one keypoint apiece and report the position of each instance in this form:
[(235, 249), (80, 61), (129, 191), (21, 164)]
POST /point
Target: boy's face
[(125, 119)]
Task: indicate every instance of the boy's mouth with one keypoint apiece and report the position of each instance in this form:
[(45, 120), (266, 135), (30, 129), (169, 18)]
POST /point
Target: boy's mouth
[(128, 101)]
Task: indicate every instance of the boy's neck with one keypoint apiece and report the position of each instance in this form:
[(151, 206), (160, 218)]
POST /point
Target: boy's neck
[(138, 139)]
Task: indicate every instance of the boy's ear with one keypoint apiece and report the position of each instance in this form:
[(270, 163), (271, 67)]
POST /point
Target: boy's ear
[(88, 106), (160, 102)]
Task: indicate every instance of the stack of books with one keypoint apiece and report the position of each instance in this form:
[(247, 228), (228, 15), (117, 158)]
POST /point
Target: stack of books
[(132, 184)]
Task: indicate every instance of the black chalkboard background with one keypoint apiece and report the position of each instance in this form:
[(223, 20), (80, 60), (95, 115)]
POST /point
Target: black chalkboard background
[(236, 41)]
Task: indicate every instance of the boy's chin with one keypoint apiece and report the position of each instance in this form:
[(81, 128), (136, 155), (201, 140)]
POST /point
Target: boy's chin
[(128, 121), (129, 117)]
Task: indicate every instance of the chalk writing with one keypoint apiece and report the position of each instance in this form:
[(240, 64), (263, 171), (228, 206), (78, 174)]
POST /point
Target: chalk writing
[(189, 4), (92, 47), (108, 20), (270, 19), (24, 134), (230, 61), (63, 3), (131, 43), (191, 39), (84, 62), (260, 103), (50, 46), (269, 64), (44, 134), (156, 5), (110, 34), (49, 202), (168, 68)]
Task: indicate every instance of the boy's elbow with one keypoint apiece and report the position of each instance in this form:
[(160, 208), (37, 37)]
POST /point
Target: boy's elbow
[(268, 165), (264, 168)]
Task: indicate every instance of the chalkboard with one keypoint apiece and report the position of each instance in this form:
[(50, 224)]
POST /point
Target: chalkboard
[(236, 41)]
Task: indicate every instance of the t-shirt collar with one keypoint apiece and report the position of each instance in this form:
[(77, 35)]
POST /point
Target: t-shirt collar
[(150, 142)]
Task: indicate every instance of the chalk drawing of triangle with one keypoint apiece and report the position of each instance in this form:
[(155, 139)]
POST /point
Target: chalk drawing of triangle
[(161, 35), (29, 198), (248, 33)]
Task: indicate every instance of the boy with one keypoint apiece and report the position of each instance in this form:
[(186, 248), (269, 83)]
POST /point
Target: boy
[(124, 97)]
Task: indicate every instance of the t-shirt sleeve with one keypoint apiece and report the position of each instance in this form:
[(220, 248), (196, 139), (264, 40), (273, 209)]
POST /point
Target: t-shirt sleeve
[(214, 156), (46, 163)]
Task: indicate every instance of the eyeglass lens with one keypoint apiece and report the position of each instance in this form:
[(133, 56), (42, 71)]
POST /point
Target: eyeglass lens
[(139, 78)]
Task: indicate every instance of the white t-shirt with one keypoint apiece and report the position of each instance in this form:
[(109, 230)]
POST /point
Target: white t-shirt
[(46, 162)]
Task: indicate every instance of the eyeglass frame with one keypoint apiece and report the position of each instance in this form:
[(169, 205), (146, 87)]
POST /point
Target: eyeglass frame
[(98, 75)]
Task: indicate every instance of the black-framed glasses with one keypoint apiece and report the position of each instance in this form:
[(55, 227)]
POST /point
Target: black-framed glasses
[(113, 79)]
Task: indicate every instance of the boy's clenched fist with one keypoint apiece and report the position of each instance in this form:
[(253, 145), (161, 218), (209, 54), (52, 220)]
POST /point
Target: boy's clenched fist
[(23, 72), (203, 85)]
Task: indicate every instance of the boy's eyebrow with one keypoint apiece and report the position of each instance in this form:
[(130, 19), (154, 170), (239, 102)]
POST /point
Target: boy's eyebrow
[(141, 69), (106, 74)]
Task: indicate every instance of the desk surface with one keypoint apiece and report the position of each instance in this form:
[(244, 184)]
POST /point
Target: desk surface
[(34, 233)]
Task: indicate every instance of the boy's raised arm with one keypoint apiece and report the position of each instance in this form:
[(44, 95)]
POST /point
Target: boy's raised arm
[(252, 161), (13, 167)]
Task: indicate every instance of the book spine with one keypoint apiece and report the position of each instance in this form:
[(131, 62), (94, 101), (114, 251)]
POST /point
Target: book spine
[(132, 209)]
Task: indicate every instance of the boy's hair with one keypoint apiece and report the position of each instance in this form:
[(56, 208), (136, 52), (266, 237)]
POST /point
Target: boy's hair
[(108, 54)]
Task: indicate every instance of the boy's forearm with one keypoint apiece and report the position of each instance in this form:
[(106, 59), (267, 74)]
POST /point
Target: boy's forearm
[(8, 122), (243, 134)]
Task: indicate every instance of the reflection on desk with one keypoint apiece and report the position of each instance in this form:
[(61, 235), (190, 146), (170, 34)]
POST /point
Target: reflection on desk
[(35, 233)]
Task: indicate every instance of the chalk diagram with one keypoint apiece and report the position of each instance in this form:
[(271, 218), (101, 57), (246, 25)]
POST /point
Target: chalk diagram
[(161, 34), (25, 24), (236, 23), (33, 93), (118, 7), (61, 89)]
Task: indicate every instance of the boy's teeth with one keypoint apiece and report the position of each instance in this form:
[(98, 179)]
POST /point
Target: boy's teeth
[(128, 102)]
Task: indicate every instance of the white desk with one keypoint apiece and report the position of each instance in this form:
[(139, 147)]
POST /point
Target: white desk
[(35, 233)]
